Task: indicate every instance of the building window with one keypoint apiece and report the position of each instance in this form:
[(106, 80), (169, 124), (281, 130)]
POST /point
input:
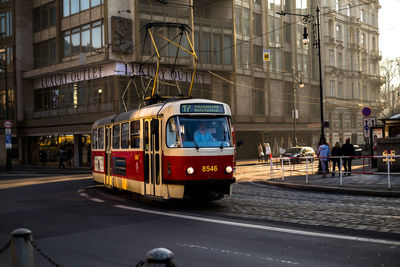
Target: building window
[(71, 7), (227, 49), (6, 25), (332, 88), (362, 16), (340, 90), (44, 17), (45, 53), (85, 38), (339, 60), (339, 33), (331, 57)]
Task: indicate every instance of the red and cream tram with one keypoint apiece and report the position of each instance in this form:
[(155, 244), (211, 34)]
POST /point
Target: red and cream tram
[(172, 150)]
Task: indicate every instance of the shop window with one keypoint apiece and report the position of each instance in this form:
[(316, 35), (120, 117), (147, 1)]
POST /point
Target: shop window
[(135, 134), (71, 7), (85, 38), (116, 136), (125, 135)]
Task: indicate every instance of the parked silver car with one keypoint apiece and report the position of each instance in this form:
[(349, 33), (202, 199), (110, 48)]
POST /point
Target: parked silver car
[(294, 154)]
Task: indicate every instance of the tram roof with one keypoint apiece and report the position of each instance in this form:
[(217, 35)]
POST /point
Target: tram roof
[(171, 107)]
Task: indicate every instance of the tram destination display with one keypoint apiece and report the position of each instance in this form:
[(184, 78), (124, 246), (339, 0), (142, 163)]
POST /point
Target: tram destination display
[(202, 108)]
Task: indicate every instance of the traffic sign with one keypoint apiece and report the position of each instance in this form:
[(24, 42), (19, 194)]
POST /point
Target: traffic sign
[(368, 122), (266, 53), (7, 124), (8, 141), (366, 111)]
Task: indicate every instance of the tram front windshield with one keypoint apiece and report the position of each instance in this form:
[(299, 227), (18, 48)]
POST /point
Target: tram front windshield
[(188, 131)]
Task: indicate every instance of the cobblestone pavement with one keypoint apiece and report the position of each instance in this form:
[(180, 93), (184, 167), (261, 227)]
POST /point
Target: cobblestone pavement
[(363, 178), (258, 201)]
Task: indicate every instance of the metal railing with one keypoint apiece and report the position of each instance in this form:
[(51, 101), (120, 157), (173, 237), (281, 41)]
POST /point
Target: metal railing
[(282, 167)]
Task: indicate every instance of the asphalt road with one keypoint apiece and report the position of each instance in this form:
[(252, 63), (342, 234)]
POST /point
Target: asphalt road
[(77, 224)]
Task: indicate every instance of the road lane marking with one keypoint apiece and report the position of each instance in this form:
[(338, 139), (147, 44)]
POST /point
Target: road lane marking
[(263, 227), (236, 253)]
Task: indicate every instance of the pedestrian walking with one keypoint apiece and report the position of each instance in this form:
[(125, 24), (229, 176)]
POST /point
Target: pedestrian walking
[(323, 154), (43, 157), (335, 154), (267, 152), (349, 152), (69, 156), (61, 158), (260, 152)]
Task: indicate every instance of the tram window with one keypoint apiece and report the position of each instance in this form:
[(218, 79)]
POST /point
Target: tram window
[(125, 135), (172, 133), (146, 135), (101, 139), (94, 137), (135, 134), (158, 169), (116, 136)]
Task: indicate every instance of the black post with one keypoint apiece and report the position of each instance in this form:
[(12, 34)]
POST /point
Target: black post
[(8, 151), (322, 138)]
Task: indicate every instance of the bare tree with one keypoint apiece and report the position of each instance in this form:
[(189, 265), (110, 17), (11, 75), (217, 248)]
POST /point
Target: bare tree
[(390, 89)]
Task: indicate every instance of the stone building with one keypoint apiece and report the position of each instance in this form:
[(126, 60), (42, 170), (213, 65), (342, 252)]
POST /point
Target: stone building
[(71, 62)]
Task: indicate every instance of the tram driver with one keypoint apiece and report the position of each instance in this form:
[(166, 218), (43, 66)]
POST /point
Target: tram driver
[(202, 134)]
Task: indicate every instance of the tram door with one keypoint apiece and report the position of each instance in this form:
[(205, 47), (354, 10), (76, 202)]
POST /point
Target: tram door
[(152, 157), (107, 165)]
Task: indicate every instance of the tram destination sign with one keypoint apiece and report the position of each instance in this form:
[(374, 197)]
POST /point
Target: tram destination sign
[(202, 108)]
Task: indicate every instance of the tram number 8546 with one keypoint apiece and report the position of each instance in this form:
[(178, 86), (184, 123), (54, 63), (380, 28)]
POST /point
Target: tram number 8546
[(209, 168)]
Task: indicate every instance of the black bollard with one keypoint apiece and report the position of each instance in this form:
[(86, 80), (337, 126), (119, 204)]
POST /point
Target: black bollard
[(160, 257)]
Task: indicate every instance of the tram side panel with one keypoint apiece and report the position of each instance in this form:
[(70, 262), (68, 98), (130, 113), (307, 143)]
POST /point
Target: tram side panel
[(127, 170)]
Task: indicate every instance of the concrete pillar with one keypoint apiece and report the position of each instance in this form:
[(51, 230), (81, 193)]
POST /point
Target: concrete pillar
[(77, 150)]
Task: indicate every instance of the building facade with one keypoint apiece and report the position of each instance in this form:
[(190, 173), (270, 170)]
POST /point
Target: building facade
[(71, 62)]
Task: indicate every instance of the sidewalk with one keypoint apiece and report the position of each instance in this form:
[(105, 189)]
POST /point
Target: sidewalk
[(49, 169), (363, 184)]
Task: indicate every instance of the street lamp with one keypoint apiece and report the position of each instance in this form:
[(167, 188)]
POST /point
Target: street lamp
[(315, 22), (3, 63), (297, 82)]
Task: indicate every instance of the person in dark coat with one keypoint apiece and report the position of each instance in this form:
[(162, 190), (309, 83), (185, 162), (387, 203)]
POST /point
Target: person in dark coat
[(348, 151), (335, 154)]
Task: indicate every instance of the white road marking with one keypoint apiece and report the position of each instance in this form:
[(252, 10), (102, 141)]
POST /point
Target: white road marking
[(233, 252), (266, 228), (96, 200)]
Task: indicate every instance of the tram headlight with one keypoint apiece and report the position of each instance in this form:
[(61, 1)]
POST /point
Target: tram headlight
[(228, 169), (190, 170)]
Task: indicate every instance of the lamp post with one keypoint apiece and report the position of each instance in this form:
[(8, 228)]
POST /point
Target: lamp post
[(315, 22), (3, 62), (297, 82)]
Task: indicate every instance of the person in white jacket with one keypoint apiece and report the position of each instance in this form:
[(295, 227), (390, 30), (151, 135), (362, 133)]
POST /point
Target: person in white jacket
[(323, 154), (267, 154)]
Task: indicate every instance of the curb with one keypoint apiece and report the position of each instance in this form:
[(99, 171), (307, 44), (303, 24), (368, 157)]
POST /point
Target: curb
[(353, 191)]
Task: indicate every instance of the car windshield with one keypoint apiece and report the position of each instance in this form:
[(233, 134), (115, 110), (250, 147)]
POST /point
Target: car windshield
[(293, 150), (202, 131)]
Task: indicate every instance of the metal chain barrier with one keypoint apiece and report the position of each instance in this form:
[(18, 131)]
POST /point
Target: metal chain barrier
[(6, 246), (44, 255)]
